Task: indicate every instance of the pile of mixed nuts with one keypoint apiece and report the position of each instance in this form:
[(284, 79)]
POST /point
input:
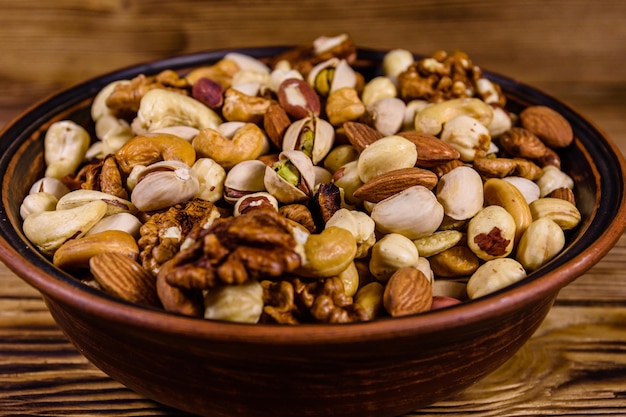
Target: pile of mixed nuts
[(292, 189)]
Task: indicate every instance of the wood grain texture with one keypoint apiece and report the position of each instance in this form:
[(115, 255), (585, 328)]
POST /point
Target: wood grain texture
[(575, 364)]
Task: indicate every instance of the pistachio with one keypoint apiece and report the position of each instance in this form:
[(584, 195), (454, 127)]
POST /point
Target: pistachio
[(347, 179), (379, 88), (244, 178), (312, 135), (81, 197), (386, 115), (437, 242), (49, 185), (124, 222), (553, 178), (164, 184), (331, 75), (292, 178), (414, 213), (238, 303)]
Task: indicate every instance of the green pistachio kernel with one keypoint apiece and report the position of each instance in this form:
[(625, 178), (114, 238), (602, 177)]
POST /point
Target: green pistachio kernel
[(287, 171)]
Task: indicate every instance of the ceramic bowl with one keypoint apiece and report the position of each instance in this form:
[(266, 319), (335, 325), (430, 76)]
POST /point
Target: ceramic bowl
[(384, 368)]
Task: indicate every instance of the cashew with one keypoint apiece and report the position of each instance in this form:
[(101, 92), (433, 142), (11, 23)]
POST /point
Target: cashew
[(154, 147), (350, 279), (328, 253), (48, 230), (65, 146), (431, 118), (36, 203), (370, 297), (163, 108), (247, 144)]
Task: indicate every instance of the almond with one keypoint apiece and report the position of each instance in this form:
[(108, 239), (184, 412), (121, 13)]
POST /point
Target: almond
[(275, 122), (522, 143), (123, 277), (551, 127), (392, 182), (431, 151), (361, 135), (408, 291)]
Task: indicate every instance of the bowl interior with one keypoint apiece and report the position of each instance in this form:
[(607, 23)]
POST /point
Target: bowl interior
[(593, 161)]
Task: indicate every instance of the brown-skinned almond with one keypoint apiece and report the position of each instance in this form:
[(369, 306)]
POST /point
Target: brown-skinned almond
[(124, 278), (431, 151), (392, 182)]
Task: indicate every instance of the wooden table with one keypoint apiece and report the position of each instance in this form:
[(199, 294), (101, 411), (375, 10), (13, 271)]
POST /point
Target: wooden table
[(575, 364)]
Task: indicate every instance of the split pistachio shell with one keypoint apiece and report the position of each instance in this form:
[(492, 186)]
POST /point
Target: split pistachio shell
[(491, 233), (238, 303), (124, 222), (161, 108), (292, 178), (392, 252), (384, 155), (244, 178), (79, 198), (49, 185), (494, 275), (542, 241), (48, 230), (163, 185), (413, 212), (467, 135), (65, 146), (312, 135), (359, 224), (211, 176), (253, 200), (331, 75), (564, 213), (528, 188), (460, 192), (553, 178), (347, 178)]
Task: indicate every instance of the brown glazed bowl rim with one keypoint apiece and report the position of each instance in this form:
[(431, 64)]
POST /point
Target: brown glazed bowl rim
[(605, 223)]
